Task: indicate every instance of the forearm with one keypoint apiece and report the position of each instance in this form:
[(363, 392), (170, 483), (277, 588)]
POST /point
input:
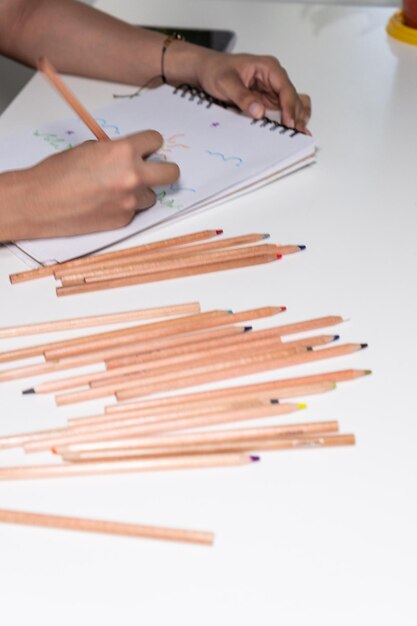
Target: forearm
[(81, 40)]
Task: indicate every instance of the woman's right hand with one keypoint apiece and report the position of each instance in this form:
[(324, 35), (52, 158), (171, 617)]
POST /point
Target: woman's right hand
[(94, 187)]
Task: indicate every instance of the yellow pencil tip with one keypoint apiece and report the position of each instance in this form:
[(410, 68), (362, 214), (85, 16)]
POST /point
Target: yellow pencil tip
[(302, 406)]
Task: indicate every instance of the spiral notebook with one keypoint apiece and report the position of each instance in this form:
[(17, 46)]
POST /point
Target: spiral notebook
[(221, 154)]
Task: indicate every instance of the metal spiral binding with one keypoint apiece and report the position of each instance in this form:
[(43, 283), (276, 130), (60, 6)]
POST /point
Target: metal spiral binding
[(201, 97)]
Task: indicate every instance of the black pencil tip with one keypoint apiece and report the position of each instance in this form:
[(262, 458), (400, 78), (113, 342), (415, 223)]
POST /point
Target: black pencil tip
[(302, 247), (364, 345), (246, 329), (27, 391), (309, 349), (274, 401)]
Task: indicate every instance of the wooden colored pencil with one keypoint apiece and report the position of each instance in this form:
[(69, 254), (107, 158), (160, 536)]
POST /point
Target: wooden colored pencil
[(121, 529), (136, 347), (175, 440), (186, 324), (166, 275), (149, 330), (253, 446), (114, 255), (177, 355), (233, 359), (256, 363), (144, 266), (30, 472), (171, 252), (107, 432), (48, 70), (99, 320), (134, 359), (271, 388), (283, 393), (80, 427), (143, 334)]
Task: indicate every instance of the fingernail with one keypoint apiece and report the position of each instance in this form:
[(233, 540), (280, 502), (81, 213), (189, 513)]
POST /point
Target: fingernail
[(256, 110)]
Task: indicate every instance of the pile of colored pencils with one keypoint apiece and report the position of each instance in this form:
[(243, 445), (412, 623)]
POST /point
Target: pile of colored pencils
[(187, 255), (183, 348)]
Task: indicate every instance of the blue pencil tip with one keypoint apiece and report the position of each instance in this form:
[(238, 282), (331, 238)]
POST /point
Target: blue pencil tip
[(336, 337), (302, 247), (266, 235)]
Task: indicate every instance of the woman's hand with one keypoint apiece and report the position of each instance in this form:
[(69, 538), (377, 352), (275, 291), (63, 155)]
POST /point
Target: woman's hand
[(94, 187), (254, 84)]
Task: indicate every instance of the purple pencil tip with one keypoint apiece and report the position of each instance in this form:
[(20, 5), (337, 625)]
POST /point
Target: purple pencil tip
[(255, 459)]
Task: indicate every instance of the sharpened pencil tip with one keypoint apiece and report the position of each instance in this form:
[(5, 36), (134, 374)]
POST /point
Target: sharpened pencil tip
[(363, 346), (254, 459), (25, 392), (246, 329), (274, 401), (266, 235), (336, 337), (230, 311), (309, 348), (279, 256), (302, 406), (283, 308), (302, 247), (368, 372), (219, 231)]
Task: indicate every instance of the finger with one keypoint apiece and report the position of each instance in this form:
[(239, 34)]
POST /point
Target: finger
[(145, 143), (155, 173), (145, 199), (243, 97)]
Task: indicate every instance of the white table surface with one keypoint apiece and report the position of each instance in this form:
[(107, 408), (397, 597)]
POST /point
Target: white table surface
[(323, 537)]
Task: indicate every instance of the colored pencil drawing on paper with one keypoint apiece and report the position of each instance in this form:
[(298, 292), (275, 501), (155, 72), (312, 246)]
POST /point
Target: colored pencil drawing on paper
[(175, 188), (106, 126), (164, 199), (55, 141), (170, 144), (238, 160)]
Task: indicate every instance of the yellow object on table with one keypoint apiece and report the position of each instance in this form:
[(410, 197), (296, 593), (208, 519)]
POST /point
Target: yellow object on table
[(398, 30)]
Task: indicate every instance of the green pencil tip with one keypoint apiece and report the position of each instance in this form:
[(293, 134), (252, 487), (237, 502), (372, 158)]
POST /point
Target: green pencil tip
[(230, 312)]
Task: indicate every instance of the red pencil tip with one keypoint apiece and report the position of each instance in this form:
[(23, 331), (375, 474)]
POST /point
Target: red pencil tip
[(219, 231), (279, 256), (283, 308)]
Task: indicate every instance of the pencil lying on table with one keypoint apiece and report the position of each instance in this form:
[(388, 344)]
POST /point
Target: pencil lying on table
[(122, 317), (185, 440), (106, 527), (65, 470), (115, 255)]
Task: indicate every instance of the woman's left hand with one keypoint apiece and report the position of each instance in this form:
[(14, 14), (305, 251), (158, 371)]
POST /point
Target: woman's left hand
[(254, 84)]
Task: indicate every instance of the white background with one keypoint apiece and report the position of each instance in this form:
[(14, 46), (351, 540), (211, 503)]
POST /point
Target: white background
[(322, 537)]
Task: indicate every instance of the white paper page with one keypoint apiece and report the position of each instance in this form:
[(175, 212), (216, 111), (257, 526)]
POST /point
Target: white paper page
[(216, 149)]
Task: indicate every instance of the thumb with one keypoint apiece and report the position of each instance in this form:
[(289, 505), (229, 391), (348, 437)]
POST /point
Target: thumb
[(243, 97)]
